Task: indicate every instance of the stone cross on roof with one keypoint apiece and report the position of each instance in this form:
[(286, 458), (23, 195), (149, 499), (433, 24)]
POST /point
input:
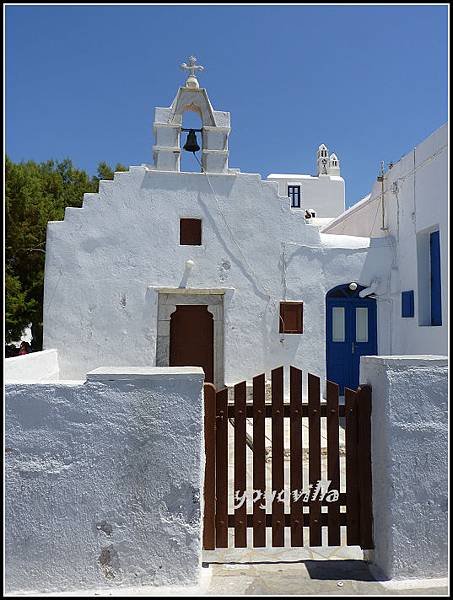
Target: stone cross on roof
[(192, 68)]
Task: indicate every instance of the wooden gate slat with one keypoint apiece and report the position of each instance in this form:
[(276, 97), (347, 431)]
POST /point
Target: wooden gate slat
[(240, 522), (333, 462), (278, 477), (222, 469), (209, 473), (296, 460), (314, 456), (259, 464), (358, 496), (352, 484), (364, 467)]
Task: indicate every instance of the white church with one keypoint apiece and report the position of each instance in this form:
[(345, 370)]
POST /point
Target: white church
[(239, 274), (164, 271)]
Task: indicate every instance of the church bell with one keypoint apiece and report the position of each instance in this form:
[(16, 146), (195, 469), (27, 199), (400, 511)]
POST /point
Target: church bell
[(191, 144)]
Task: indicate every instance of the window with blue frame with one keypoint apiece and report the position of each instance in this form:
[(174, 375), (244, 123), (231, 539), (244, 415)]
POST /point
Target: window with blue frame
[(294, 194), (436, 291), (407, 303)]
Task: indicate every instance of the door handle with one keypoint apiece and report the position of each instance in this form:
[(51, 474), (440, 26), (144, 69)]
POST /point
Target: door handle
[(353, 347)]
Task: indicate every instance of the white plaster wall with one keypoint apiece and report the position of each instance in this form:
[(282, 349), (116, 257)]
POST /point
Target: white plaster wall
[(324, 194), (106, 261), (33, 367), (103, 480), (415, 201), (409, 464)]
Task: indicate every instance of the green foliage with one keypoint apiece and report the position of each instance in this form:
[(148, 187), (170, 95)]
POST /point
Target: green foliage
[(36, 193)]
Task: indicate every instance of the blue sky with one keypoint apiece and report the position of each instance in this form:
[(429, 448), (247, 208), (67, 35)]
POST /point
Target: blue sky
[(368, 81)]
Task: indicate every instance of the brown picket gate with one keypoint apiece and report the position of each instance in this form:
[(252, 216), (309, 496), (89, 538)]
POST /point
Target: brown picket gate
[(352, 509)]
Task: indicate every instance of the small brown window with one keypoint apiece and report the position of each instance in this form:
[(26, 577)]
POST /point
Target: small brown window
[(291, 317), (190, 232)]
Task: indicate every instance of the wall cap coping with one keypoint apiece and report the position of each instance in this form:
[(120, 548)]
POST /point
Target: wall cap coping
[(32, 355), (134, 373), (415, 360)]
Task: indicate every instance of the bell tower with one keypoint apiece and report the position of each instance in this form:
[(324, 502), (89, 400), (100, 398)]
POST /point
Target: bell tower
[(334, 165), (168, 127), (322, 160), (327, 165)]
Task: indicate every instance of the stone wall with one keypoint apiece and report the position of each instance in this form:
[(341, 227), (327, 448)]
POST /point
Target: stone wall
[(103, 480), (409, 452)]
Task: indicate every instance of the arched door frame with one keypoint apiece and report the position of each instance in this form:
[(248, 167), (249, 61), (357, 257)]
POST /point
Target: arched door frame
[(343, 354)]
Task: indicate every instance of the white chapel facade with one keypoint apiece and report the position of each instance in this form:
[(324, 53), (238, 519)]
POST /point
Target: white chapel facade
[(226, 269)]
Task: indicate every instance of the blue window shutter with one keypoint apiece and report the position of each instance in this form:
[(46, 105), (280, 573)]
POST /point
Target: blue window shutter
[(407, 303), (436, 296)]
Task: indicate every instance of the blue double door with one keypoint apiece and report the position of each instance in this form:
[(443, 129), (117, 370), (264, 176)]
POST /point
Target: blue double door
[(351, 324)]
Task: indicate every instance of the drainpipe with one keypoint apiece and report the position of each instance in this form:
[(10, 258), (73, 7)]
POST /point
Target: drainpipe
[(380, 178)]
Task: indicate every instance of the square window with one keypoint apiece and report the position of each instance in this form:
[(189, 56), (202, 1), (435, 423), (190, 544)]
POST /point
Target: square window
[(407, 303), (291, 317), (190, 232)]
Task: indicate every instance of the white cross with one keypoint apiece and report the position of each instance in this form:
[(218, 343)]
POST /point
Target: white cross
[(192, 67)]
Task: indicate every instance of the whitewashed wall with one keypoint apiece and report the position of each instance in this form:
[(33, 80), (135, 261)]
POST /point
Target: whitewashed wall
[(324, 194), (106, 262), (409, 453), (103, 481), (33, 367), (416, 200)]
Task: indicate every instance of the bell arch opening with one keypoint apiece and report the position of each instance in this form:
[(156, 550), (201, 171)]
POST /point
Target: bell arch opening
[(191, 119)]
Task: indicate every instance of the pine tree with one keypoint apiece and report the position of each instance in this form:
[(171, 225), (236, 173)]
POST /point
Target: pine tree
[(36, 193)]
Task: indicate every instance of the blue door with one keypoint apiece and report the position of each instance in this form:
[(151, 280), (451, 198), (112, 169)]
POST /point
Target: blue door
[(436, 292), (351, 328)]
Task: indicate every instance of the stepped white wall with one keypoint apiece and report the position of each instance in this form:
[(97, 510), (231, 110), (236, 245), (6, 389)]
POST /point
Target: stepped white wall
[(106, 262)]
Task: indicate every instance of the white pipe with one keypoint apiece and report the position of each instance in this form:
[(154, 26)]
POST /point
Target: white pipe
[(369, 290)]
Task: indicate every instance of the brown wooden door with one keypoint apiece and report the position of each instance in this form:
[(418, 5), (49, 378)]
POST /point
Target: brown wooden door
[(192, 339)]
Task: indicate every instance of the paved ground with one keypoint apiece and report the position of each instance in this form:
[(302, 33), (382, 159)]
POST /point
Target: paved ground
[(287, 572), (305, 578), (308, 577)]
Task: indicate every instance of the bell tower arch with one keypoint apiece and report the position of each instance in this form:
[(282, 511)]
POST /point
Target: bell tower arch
[(168, 125)]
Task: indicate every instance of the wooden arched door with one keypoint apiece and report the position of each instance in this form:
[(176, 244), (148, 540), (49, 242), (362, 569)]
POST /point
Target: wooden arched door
[(192, 338)]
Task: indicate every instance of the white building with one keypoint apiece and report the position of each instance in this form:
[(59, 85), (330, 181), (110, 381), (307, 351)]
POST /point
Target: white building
[(322, 196), (218, 268), (408, 207)]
